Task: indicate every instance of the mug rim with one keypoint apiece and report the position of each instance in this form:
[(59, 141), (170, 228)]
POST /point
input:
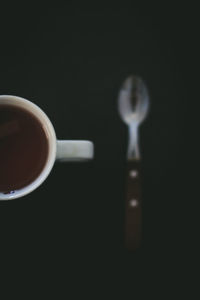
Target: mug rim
[(51, 136)]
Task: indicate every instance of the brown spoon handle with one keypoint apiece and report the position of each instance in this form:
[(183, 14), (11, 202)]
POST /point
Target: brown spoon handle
[(133, 207)]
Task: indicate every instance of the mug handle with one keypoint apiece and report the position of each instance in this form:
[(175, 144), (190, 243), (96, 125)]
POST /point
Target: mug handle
[(74, 150)]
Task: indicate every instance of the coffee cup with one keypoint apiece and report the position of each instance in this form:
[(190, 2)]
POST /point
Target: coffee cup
[(29, 147)]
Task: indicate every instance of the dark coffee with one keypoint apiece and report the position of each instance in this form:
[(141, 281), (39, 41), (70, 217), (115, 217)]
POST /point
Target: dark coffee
[(23, 148)]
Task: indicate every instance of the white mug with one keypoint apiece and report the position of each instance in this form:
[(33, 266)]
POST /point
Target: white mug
[(61, 150)]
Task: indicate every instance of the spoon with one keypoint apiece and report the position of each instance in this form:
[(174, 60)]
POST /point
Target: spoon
[(133, 105)]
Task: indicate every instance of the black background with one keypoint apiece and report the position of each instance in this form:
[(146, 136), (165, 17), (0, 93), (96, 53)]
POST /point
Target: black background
[(71, 62)]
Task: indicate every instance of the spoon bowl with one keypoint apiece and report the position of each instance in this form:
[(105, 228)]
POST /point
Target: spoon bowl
[(133, 105), (133, 102)]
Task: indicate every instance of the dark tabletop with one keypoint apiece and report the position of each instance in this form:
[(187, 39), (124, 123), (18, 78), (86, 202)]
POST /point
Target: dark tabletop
[(71, 62)]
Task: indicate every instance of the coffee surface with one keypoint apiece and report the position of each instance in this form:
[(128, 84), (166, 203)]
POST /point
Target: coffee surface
[(23, 148)]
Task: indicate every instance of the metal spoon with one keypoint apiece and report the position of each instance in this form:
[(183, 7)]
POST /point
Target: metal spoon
[(133, 105)]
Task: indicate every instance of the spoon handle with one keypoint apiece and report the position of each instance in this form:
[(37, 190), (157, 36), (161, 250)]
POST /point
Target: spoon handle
[(133, 206)]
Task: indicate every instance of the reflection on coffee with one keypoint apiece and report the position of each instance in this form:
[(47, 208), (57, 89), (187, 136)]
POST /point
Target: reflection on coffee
[(23, 148)]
